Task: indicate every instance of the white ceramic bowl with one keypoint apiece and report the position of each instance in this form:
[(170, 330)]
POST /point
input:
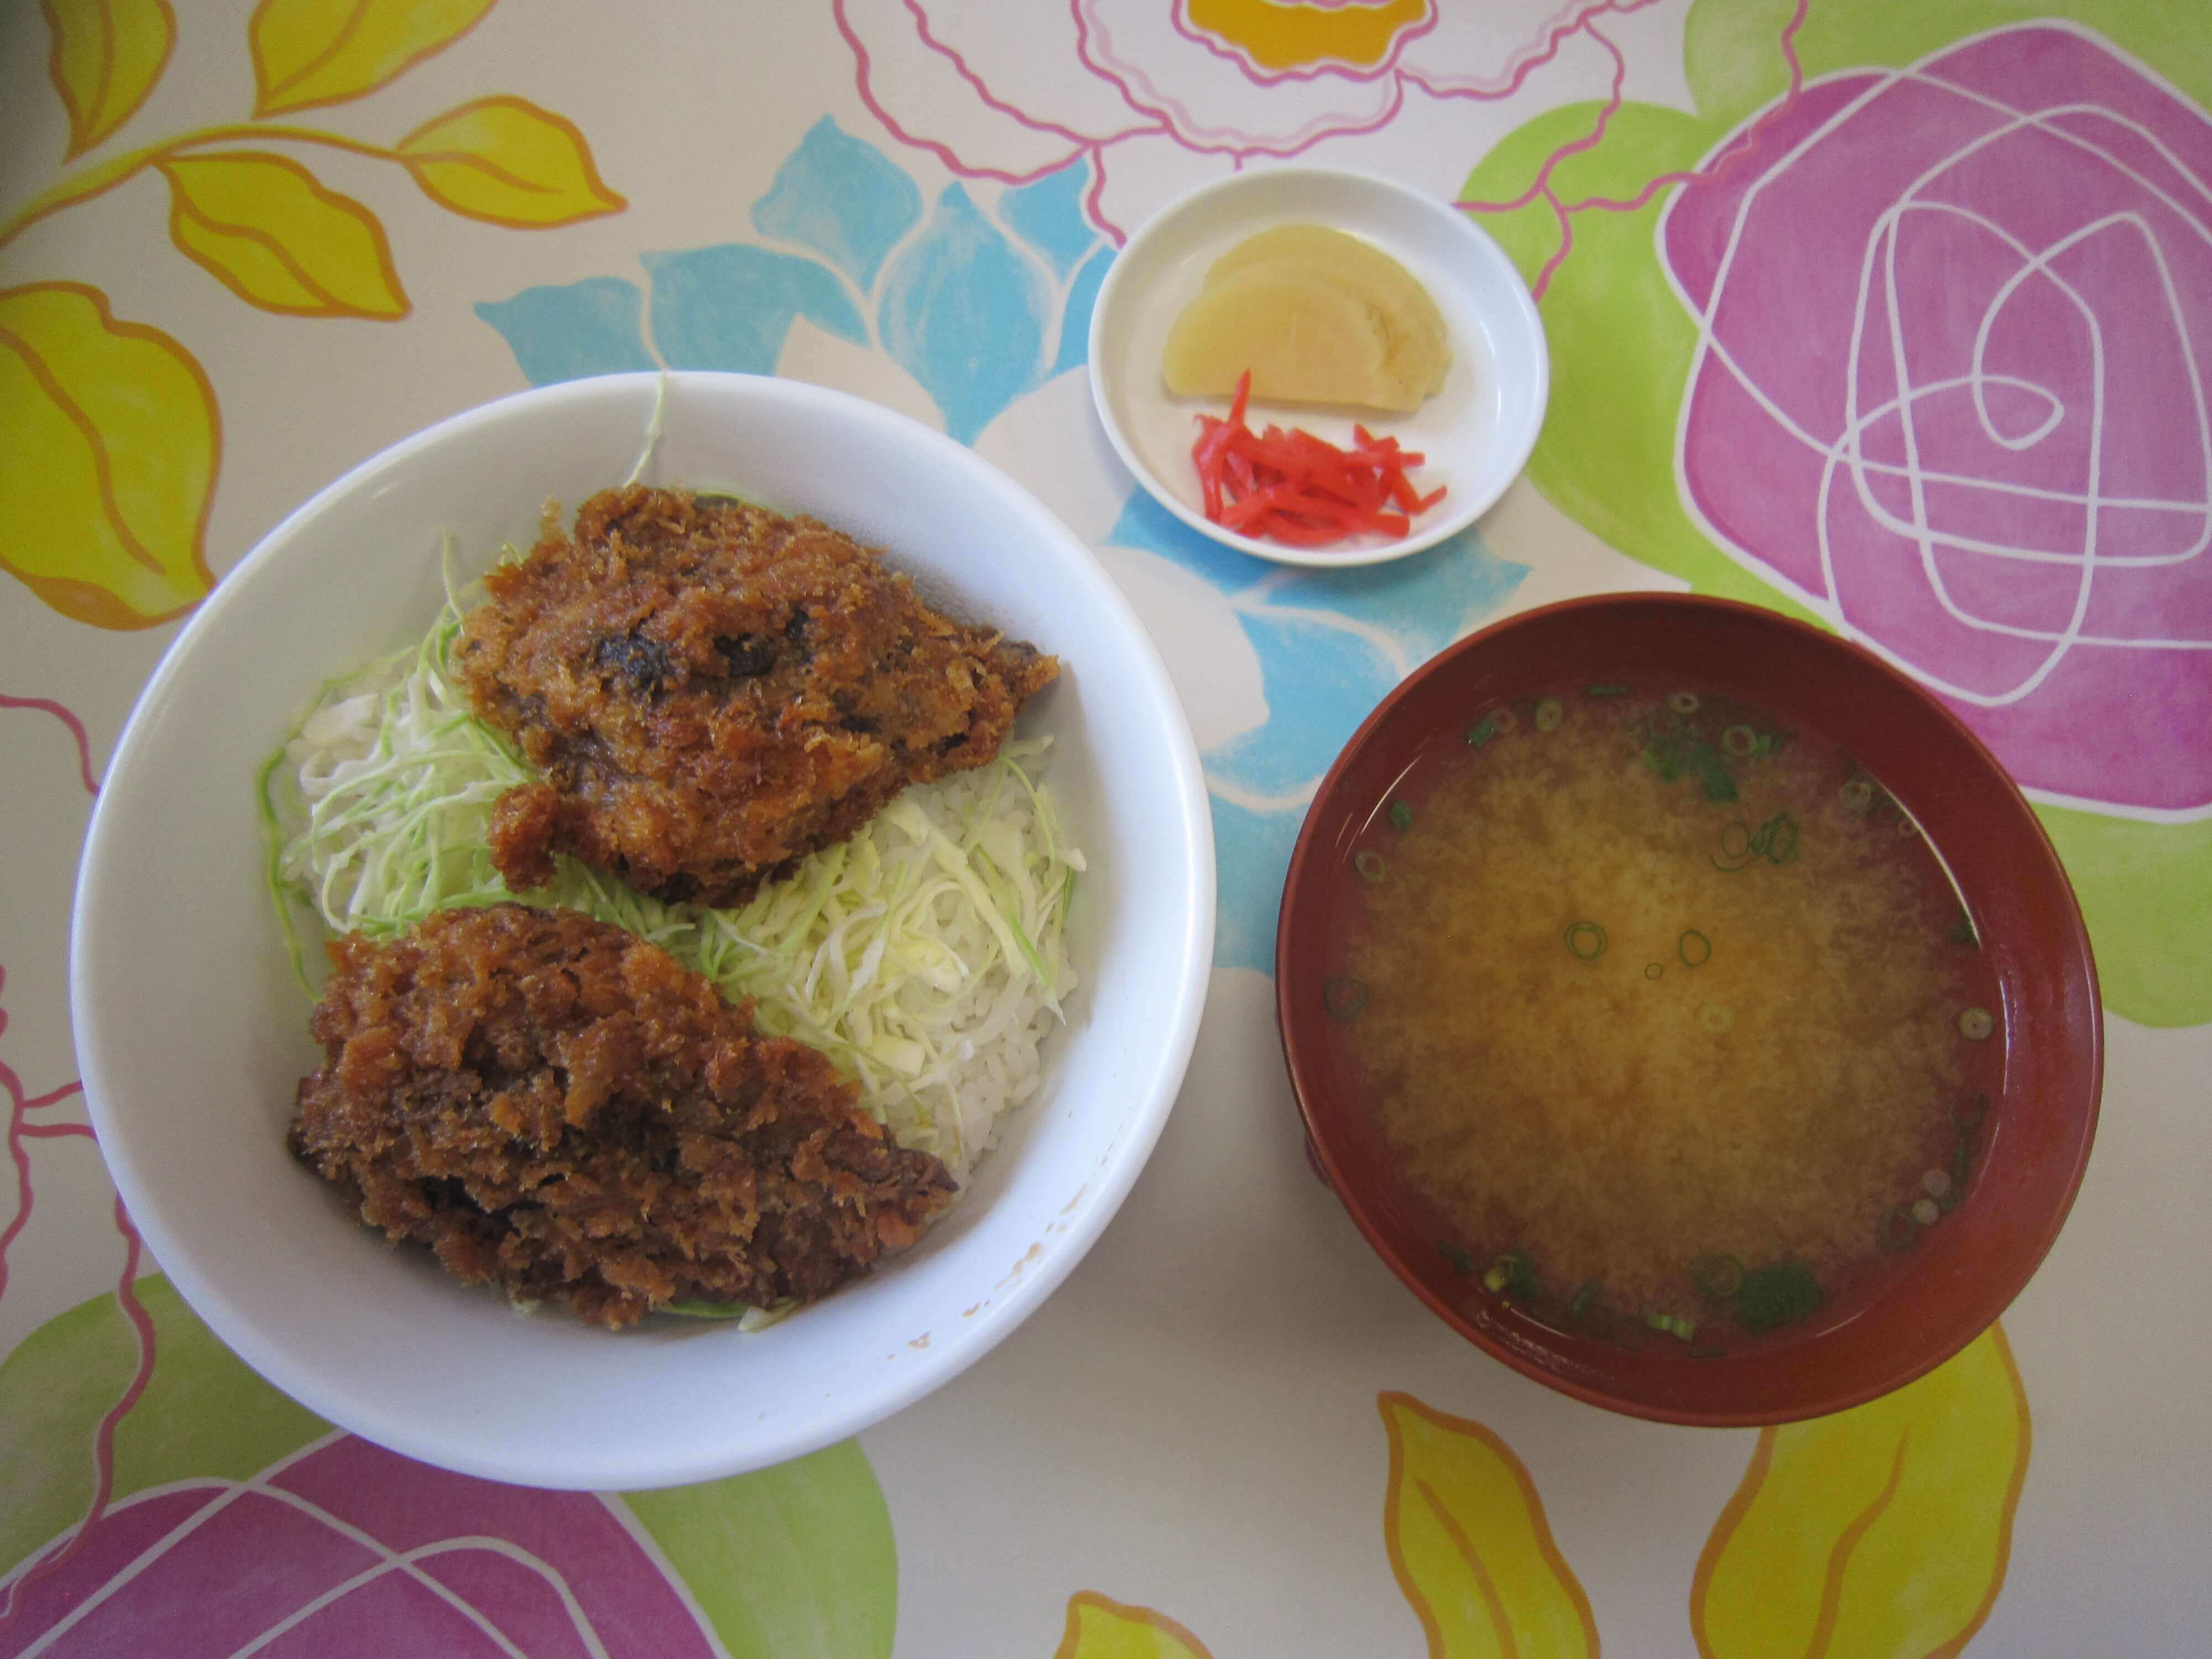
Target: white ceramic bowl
[(193, 1035), (1477, 432)]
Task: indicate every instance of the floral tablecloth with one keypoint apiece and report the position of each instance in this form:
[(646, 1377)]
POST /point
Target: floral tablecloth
[(1893, 314)]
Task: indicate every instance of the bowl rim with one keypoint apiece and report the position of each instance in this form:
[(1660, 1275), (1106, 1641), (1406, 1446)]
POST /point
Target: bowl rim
[(201, 1281), (1305, 871), (1524, 316)]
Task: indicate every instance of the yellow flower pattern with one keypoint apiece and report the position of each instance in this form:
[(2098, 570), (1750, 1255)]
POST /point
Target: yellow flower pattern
[(107, 56), (1879, 1532), (312, 52), (1277, 36), (110, 462), (268, 230), (1098, 1628), (105, 492), (1470, 1545)]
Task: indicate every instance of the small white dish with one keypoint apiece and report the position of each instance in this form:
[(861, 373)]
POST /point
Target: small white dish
[(1476, 433), (192, 1037)]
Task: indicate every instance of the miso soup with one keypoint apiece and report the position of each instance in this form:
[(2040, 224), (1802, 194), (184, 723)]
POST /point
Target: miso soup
[(1666, 1009)]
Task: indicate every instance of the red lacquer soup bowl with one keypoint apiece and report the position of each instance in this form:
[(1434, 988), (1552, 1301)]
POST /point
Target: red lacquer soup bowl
[(2023, 1129)]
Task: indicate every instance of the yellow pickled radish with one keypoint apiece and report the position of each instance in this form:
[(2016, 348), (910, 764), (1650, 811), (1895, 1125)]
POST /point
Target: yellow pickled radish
[(1305, 339), (1318, 317), (1420, 344)]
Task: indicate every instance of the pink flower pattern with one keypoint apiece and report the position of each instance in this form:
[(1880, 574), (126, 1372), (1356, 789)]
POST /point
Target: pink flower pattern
[(959, 82), (1950, 391), (29, 1120), (344, 1550)]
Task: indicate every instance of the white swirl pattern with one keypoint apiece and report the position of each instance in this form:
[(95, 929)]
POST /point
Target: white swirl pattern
[(2036, 547)]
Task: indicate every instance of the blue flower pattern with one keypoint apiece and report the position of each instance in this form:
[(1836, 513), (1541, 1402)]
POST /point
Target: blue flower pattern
[(981, 303)]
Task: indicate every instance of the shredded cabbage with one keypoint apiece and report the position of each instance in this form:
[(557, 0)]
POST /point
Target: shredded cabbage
[(924, 955)]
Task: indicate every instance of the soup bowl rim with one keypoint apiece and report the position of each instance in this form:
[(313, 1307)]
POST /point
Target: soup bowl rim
[(1511, 1339)]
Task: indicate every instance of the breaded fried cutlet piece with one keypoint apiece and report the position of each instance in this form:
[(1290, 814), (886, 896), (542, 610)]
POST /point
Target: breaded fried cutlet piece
[(553, 1105), (713, 690)]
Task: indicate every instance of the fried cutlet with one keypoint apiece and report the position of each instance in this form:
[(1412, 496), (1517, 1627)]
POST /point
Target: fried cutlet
[(555, 1105), (713, 690)]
